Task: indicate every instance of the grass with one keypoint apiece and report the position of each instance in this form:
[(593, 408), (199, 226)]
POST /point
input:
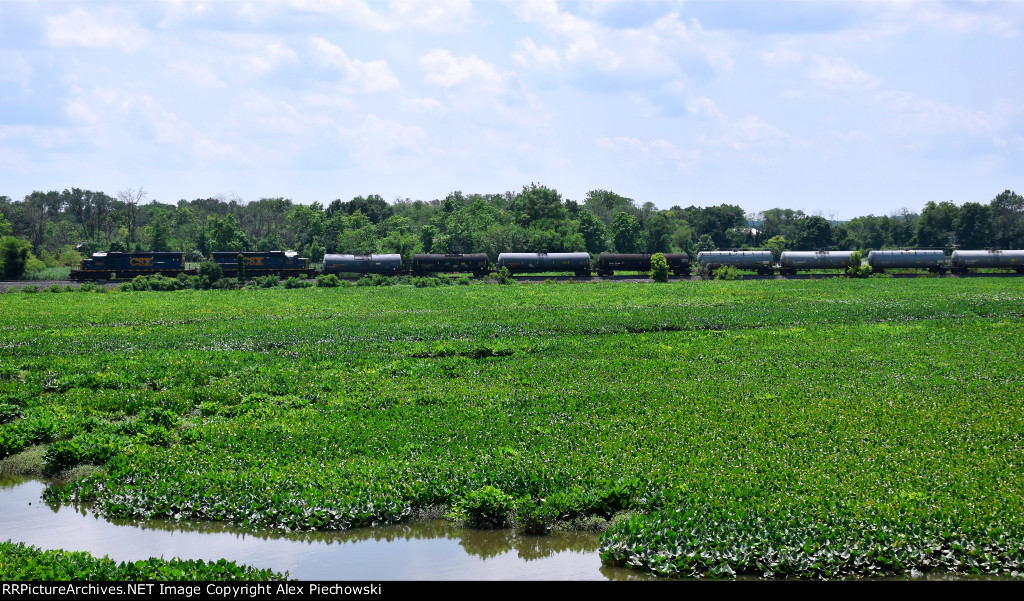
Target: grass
[(784, 428)]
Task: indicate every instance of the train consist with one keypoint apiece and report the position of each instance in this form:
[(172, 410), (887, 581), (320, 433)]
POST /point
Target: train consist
[(104, 266), (282, 263), (935, 261)]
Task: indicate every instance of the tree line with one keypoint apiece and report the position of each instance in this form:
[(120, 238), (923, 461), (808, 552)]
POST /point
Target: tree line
[(58, 228)]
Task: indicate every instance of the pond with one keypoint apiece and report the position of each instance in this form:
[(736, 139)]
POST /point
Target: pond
[(433, 550)]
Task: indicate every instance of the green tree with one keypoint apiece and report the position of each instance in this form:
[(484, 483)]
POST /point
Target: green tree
[(937, 223), (427, 234), (626, 233), (814, 232), (776, 244), (657, 233), (1007, 213), (225, 235), (14, 256), (974, 226), (705, 243), (595, 235)]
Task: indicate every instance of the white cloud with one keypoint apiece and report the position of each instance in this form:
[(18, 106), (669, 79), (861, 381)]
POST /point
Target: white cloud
[(668, 49), (702, 106), (431, 15), (781, 56), (376, 138), (428, 105), (445, 70), (273, 55), (838, 74), (14, 69), (752, 139), (528, 53), (656, 151), (372, 76), (102, 29), (910, 114)]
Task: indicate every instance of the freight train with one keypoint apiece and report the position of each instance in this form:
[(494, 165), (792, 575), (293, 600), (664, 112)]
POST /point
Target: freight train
[(934, 261), (104, 266)]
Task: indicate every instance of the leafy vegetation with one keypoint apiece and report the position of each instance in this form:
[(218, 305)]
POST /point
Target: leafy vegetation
[(20, 562), (812, 428)]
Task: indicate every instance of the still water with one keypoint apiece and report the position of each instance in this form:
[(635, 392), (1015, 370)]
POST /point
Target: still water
[(418, 551)]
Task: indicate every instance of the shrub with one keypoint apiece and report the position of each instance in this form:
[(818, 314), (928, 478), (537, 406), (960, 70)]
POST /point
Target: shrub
[(702, 272), (504, 277), (857, 269), (327, 281), (463, 281), (226, 284), (485, 507), (659, 268), (54, 288), (211, 271), (425, 282), (297, 283), (31, 288), (728, 272), (266, 281)]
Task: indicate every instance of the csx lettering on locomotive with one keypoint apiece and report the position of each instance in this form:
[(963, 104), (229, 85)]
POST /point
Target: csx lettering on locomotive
[(141, 262)]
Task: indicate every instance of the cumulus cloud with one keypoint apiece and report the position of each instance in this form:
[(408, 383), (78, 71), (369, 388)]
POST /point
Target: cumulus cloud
[(372, 76), (666, 49), (781, 56), (528, 53), (838, 74), (428, 105), (446, 70), (100, 29), (436, 15), (376, 138), (702, 106), (273, 55), (910, 114), (656, 151)]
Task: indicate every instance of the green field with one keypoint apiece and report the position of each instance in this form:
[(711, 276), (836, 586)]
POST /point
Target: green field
[(774, 428)]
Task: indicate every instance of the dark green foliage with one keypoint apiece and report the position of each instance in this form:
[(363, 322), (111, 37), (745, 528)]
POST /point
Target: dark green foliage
[(267, 281), (230, 284), (14, 254), (240, 267), (210, 272), (504, 277), (730, 540), (27, 563), (485, 507), (161, 283), (298, 283), (328, 281), (95, 448)]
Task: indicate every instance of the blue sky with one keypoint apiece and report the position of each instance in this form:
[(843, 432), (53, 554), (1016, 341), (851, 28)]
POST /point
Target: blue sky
[(839, 109)]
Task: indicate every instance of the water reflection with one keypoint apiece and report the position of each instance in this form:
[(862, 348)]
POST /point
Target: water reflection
[(427, 550)]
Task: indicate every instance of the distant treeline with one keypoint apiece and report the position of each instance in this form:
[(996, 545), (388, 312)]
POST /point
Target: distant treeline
[(62, 226)]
